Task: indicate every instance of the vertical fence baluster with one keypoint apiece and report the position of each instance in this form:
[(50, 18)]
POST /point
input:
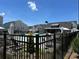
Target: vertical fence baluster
[(4, 48), (54, 57), (62, 46), (42, 48), (27, 48), (24, 47), (37, 46)]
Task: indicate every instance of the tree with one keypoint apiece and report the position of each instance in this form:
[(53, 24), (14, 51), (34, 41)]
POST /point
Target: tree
[(77, 26), (46, 21)]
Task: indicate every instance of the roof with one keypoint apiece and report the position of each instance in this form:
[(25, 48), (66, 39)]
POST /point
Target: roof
[(64, 28), (74, 29), (2, 28), (54, 24), (58, 28)]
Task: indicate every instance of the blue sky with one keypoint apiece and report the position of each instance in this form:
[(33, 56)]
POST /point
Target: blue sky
[(34, 12)]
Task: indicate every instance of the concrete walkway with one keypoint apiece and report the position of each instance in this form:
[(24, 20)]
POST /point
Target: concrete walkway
[(68, 54), (71, 54)]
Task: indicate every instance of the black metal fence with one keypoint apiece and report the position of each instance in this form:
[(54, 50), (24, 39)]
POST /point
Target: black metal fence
[(35, 47)]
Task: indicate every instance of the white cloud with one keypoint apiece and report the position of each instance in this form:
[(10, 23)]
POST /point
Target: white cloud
[(32, 5), (2, 13)]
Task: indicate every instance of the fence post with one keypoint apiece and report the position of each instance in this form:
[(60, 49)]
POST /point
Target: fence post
[(37, 46), (62, 47), (4, 47), (54, 57)]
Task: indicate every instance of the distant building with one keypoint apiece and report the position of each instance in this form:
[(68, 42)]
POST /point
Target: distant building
[(11, 29), (1, 20), (67, 24)]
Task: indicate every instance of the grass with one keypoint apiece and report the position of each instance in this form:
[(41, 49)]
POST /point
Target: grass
[(75, 44)]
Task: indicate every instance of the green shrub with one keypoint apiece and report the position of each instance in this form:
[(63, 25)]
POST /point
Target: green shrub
[(75, 44)]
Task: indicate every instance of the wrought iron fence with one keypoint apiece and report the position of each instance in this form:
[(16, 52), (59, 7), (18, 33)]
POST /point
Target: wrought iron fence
[(36, 47)]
